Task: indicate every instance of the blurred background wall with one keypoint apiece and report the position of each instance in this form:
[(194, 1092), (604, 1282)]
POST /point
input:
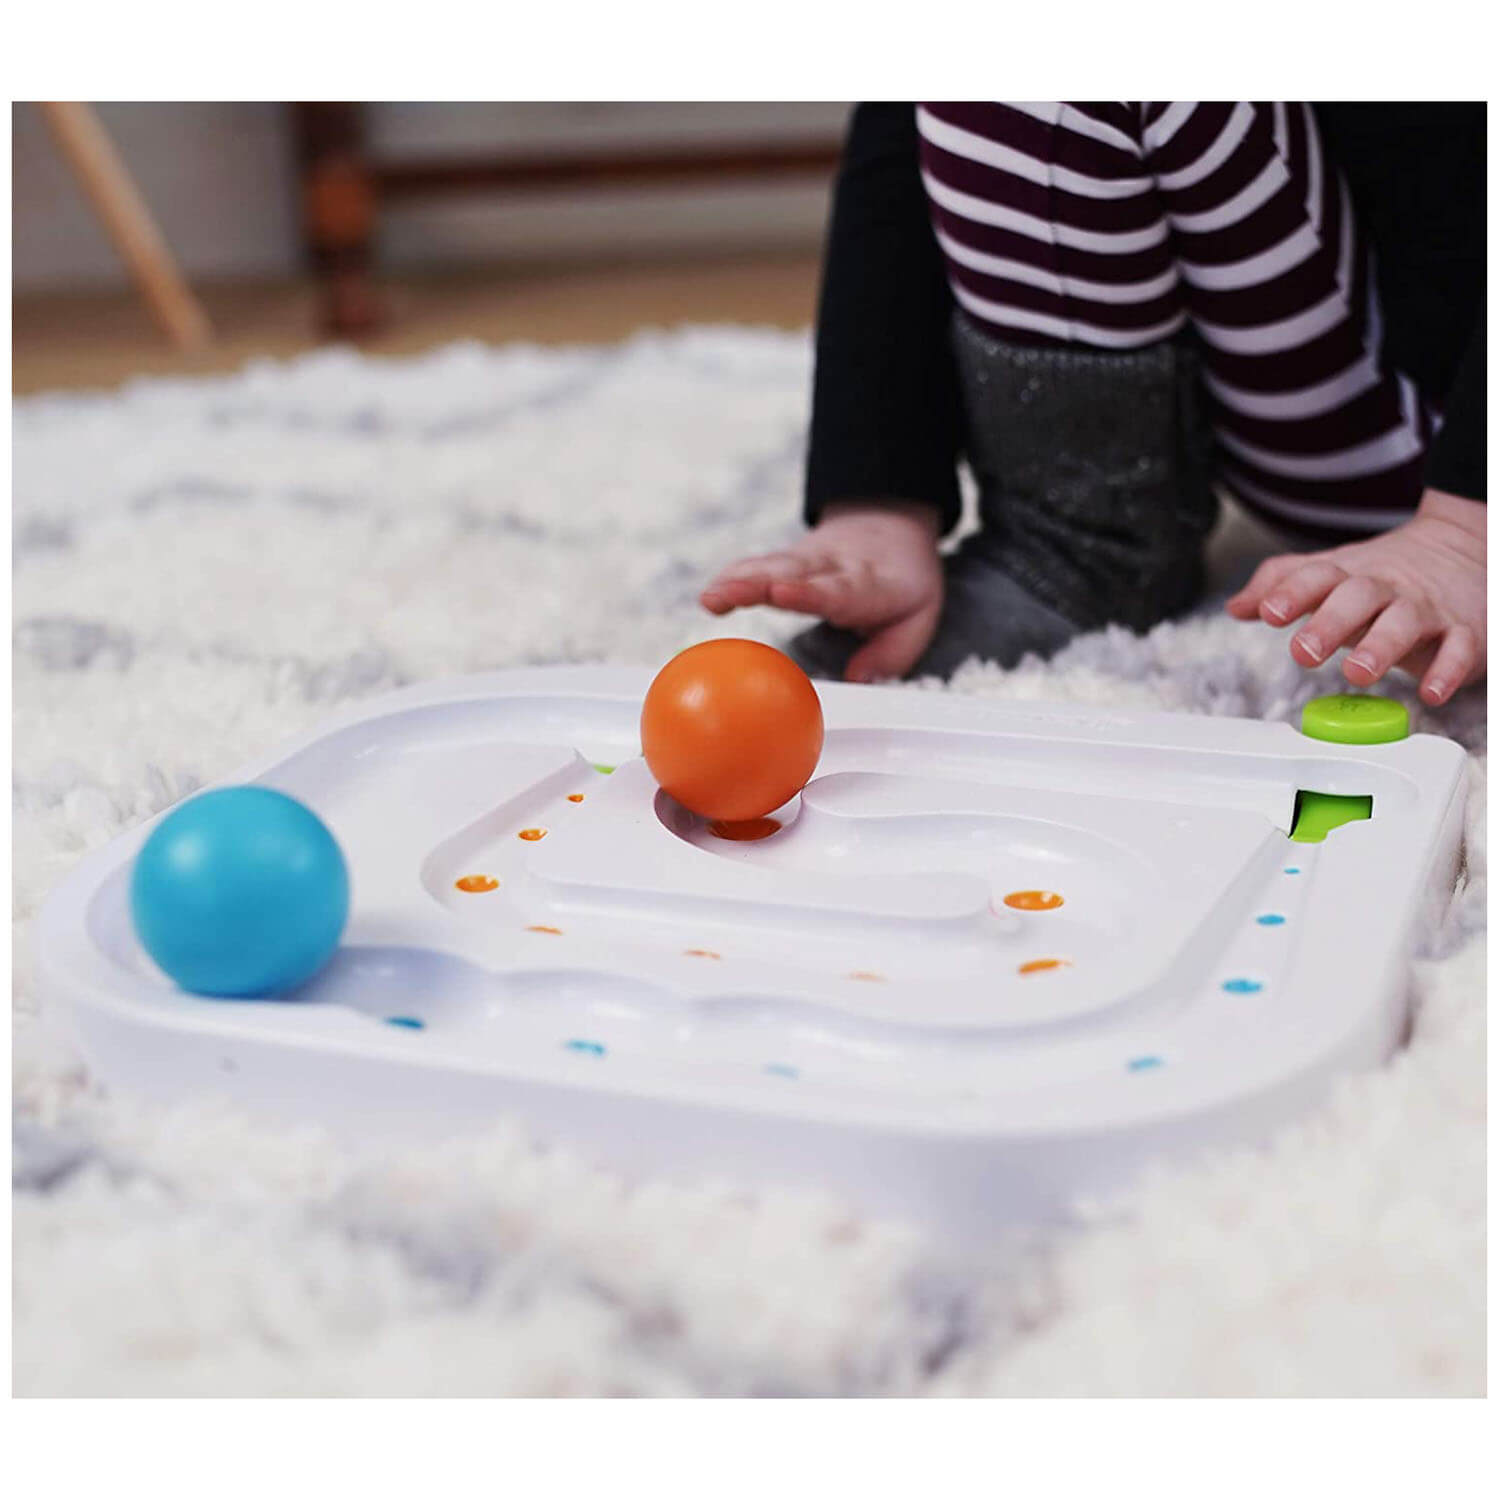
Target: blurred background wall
[(221, 181), (559, 256), (218, 177)]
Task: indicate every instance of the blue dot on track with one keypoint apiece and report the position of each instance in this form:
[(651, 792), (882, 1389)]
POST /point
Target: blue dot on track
[(1292, 870), (1270, 919), (1241, 986), (1142, 1064), (594, 1049), (411, 1023)]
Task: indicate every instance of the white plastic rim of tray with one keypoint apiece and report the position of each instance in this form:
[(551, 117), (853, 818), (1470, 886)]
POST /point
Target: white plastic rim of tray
[(850, 1003)]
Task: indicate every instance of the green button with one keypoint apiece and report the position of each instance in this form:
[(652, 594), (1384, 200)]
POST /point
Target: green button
[(1355, 719)]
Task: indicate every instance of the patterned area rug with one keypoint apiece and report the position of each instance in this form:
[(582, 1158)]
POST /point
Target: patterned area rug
[(203, 567)]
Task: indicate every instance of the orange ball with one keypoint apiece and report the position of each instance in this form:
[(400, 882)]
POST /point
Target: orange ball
[(732, 729)]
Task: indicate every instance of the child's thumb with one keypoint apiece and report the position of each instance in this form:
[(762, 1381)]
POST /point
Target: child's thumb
[(894, 649)]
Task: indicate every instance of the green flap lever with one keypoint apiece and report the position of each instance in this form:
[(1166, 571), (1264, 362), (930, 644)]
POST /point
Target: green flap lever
[(1316, 814)]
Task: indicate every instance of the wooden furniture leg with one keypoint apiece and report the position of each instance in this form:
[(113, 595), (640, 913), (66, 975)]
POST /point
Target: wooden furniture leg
[(338, 214), (343, 188), (108, 186)]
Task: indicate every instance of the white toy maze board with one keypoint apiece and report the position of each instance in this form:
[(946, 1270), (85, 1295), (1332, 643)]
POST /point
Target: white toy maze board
[(994, 957)]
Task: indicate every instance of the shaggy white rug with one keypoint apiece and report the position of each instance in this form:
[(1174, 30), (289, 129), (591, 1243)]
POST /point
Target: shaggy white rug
[(203, 567)]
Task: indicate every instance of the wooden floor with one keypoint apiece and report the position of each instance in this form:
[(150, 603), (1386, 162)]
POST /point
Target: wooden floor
[(90, 340)]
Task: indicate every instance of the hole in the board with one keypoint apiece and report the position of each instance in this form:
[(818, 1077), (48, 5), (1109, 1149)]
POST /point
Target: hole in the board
[(746, 832)]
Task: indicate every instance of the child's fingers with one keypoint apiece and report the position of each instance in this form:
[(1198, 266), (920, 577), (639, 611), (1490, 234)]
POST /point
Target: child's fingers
[(786, 562), (720, 598), (1245, 605), (1396, 631), (894, 650), (771, 565), (830, 594), (1353, 603), (1300, 591), (749, 581), (1456, 659)]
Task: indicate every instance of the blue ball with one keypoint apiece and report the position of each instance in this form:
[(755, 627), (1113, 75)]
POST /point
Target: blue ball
[(240, 892)]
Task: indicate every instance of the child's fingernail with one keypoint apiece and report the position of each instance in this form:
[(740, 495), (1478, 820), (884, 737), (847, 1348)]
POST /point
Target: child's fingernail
[(1362, 660), (1437, 689), (1311, 646), (1276, 609)]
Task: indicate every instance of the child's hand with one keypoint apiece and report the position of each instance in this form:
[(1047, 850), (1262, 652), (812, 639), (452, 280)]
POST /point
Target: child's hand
[(1421, 584), (873, 569)]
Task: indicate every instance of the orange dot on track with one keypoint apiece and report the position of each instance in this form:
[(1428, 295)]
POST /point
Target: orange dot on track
[(540, 927), (575, 796), (475, 884), (1042, 965), (531, 835), (1034, 900), (700, 953)]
